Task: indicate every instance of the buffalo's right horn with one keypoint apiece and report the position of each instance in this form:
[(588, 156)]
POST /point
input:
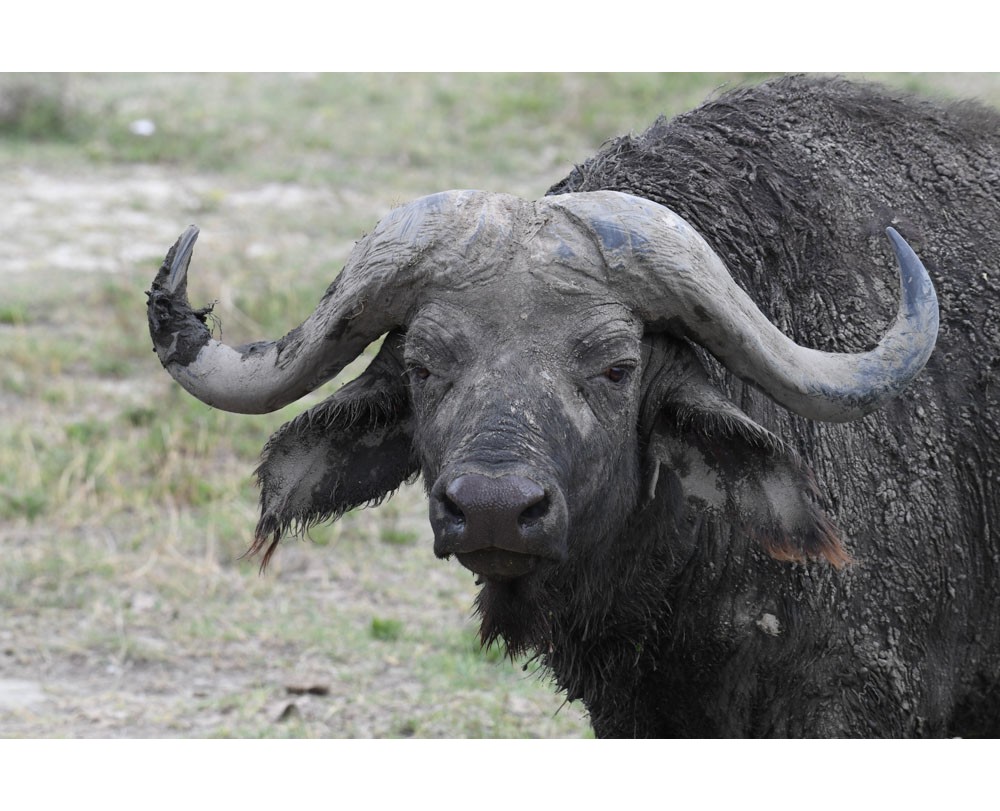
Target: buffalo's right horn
[(412, 249)]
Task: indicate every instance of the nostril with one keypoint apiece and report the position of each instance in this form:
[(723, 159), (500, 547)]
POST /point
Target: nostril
[(494, 510), (534, 512), (505, 518), (452, 509)]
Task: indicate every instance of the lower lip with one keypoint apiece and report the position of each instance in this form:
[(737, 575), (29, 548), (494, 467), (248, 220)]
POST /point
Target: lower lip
[(497, 563)]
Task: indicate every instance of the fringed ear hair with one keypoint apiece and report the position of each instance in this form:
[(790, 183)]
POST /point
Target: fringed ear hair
[(354, 449), (728, 464)]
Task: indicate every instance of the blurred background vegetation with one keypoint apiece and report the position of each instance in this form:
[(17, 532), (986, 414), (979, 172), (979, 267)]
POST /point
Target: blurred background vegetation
[(126, 608)]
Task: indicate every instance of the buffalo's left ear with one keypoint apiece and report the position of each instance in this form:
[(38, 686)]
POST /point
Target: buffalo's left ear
[(353, 449), (726, 464)]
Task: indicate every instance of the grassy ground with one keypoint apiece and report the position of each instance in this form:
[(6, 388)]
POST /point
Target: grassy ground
[(125, 505)]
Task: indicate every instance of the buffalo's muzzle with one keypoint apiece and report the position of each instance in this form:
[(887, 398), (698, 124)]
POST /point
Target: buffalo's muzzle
[(497, 526)]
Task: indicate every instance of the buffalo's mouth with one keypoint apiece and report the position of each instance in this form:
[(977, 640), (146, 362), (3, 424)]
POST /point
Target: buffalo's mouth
[(498, 564)]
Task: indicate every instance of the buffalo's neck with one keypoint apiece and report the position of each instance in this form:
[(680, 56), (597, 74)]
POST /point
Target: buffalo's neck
[(624, 629), (670, 635)]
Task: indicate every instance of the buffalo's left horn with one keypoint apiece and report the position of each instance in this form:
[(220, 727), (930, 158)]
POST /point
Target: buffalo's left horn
[(671, 275), (414, 248)]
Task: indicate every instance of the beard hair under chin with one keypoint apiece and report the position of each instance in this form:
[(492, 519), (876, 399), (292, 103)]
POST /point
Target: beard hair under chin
[(516, 613)]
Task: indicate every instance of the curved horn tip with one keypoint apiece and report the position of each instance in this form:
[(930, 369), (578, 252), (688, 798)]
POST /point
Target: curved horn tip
[(916, 282), (182, 251), (901, 246)]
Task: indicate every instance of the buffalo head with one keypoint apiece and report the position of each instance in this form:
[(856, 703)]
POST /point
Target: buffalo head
[(539, 370)]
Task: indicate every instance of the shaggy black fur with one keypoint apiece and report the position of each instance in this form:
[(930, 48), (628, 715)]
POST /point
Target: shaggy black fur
[(792, 183)]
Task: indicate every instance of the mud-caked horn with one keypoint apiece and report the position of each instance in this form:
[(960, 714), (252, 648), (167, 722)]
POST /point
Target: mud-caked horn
[(412, 250)]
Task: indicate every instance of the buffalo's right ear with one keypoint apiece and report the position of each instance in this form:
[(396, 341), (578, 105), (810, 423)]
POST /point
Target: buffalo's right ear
[(351, 450)]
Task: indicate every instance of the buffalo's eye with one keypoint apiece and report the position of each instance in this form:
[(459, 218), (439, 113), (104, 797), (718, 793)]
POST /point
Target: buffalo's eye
[(616, 374), (420, 372)]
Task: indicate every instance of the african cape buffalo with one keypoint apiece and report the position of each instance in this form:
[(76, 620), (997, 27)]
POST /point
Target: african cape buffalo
[(673, 416)]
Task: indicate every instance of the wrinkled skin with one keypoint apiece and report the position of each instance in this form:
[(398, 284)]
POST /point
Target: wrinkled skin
[(558, 407), (686, 557)]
